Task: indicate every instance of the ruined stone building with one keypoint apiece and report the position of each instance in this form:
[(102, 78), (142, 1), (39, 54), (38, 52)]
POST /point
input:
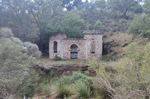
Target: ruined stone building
[(76, 48)]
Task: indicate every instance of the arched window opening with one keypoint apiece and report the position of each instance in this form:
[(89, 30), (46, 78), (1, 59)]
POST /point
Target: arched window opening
[(74, 51), (55, 47), (93, 47)]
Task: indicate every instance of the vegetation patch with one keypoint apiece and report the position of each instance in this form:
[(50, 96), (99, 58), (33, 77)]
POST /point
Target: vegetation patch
[(57, 58)]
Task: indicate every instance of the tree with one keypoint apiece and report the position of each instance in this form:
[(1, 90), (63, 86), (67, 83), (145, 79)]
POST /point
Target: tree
[(72, 25), (98, 26), (100, 4), (41, 12), (122, 6), (137, 9), (71, 4), (140, 26), (146, 6), (18, 19)]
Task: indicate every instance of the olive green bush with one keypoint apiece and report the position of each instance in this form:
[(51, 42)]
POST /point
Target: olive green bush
[(6, 32), (18, 77), (98, 26), (57, 58), (82, 89), (78, 76), (16, 41), (31, 49)]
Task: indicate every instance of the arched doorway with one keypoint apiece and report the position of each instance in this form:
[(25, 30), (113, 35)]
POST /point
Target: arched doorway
[(55, 47), (74, 51)]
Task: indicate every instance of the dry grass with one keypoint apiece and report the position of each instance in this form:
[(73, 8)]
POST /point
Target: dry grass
[(46, 62), (121, 39)]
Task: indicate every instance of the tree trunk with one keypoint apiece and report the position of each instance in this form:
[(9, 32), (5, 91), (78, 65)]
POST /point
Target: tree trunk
[(41, 43), (124, 14)]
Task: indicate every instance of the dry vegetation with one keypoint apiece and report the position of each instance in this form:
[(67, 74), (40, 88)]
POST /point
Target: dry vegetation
[(46, 62), (122, 40)]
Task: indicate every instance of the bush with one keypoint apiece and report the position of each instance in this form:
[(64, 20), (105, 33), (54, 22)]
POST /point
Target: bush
[(81, 77), (29, 85), (122, 21), (57, 58), (108, 57), (2, 40), (33, 49), (6, 32), (66, 80), (45, 87), (61, 90), (17, 73), (16, 41), (98, 26), (82, 89)]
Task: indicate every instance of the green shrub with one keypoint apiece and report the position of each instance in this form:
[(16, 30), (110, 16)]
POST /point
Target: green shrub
[(122, 21), (108, 57), (32, 49), (78, 76), (98, 26), (44, 87), (18, 77), (66, 80), (17, 72), (82, 89), (29, 86), (63, 90), (16, 41), (6, 33), (57, 58)]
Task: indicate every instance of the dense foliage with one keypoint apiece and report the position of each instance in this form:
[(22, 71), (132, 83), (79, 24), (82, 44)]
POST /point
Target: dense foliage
[(140, 26), (18, 78), (36, 21)]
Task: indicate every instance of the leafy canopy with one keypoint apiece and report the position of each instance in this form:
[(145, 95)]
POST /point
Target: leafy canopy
[(140, 26), (122, 6)]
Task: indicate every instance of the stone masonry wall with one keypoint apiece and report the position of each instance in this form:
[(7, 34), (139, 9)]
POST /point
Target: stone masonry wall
[(58, 38), (98, 45), (81, 43), (84, 46)]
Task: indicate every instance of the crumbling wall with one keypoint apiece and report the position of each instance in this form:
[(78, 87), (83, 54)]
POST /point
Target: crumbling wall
[(58, 38), (89, 46), (81, 44), (98, 45)]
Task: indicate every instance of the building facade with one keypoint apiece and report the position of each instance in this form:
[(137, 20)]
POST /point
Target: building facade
[(74, 48)]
